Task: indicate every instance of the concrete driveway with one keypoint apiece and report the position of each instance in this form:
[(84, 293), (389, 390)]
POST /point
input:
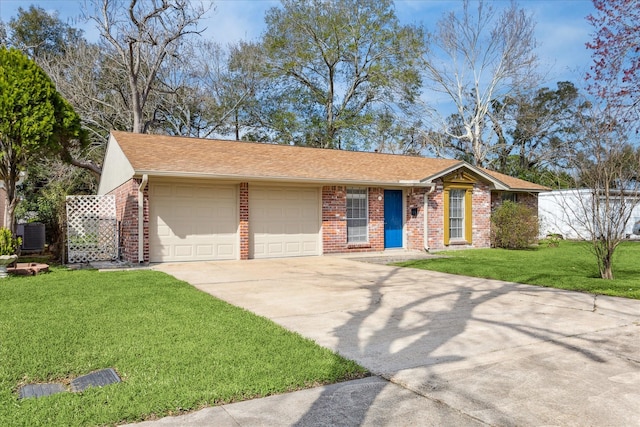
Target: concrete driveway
[(444, 349)]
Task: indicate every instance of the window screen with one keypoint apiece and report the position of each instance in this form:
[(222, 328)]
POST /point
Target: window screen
[(456, 214), (356, 215)]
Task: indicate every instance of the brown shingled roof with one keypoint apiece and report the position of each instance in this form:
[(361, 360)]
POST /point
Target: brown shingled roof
[(515, 183), (159, 154)]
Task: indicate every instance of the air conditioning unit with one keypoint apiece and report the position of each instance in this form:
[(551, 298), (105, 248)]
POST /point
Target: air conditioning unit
[(33, 236), (636, 228)]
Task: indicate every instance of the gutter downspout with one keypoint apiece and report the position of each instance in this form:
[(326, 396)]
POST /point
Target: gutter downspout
[(426, 217), (141, 187)]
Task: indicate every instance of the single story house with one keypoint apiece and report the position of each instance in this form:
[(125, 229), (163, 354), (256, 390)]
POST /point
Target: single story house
[(184, 199)]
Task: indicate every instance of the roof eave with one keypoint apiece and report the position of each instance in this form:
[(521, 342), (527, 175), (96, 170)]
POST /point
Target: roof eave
[(499, 185), (281, 179), (529, 190)]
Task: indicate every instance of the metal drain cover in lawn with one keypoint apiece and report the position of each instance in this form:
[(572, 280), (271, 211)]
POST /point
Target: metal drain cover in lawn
[(40, 390), (95, 379)]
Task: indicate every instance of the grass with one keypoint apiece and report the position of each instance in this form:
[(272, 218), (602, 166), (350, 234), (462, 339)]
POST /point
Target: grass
[(569, 266), (176, 349)]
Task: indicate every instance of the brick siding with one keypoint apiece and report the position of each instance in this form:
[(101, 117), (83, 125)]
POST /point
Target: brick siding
[(435, 218), (415, 224), (244, 220), (334, 218), (481, 202), (375, 221), (334, 221), (127, 216)]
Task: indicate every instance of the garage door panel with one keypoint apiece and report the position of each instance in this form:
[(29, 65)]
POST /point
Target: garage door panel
[(226, 251), (182, 210), (292, 212), (307, 211), (293, 228), (183, 250), (226, 194), (310, 246), (258, 250), (161, 190), (163, 230), (185, 190), (275, 249), (202, 228), (192, 222), (293, 247), (226, 212), (284, 221), (204, 250), (203, 212)]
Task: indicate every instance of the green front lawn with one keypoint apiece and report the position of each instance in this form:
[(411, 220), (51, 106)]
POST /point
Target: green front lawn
[(569, 266), (176, 349)]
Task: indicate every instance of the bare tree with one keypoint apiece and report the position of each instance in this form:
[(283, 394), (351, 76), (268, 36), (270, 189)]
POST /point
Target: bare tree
[(210, 94), (82, 78), (476, 56), (138, 38), (607, 171)]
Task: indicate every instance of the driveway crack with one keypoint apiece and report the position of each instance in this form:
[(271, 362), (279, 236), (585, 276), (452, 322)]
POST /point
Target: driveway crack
[(425, 395)]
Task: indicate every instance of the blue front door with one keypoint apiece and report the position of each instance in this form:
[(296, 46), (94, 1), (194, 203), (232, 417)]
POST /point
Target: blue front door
[(392, 218)]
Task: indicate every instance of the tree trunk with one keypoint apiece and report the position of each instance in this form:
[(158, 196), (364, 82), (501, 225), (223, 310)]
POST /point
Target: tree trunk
[(237, 124), (10, 180), (606, 264), (606, 272), (9, 220), (136, 109)]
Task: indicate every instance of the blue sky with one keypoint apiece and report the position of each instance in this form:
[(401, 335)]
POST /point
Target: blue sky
[(561, 29)]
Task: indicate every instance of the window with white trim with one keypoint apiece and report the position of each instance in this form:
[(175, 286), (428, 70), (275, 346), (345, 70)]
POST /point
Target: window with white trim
[(357, 214), (456, 214)]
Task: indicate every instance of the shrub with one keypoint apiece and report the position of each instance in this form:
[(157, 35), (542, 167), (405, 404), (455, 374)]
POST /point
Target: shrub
[(8, 244), (513, 226)]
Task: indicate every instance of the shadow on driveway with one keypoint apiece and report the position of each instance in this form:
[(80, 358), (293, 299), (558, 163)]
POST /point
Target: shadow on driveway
[(471, 351)]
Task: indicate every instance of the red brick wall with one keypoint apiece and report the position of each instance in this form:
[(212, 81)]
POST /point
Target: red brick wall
[(375, 223), (334, 221), (415, 224), (435, 218), (127, 216), (481, 202), (244, 220)]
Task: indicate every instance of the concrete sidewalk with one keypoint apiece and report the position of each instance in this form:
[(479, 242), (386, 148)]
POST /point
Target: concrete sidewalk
[(367, 402), (444, 349)]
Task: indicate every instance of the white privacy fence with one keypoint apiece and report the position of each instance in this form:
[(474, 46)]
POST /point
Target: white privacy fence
[(567, 212), (92, 228)]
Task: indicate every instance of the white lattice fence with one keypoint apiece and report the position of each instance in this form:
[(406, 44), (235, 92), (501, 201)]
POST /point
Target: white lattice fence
[(92, 229)]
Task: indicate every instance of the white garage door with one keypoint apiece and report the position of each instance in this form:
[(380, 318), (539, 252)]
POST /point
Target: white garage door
[(284, 221), (192, 222)]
